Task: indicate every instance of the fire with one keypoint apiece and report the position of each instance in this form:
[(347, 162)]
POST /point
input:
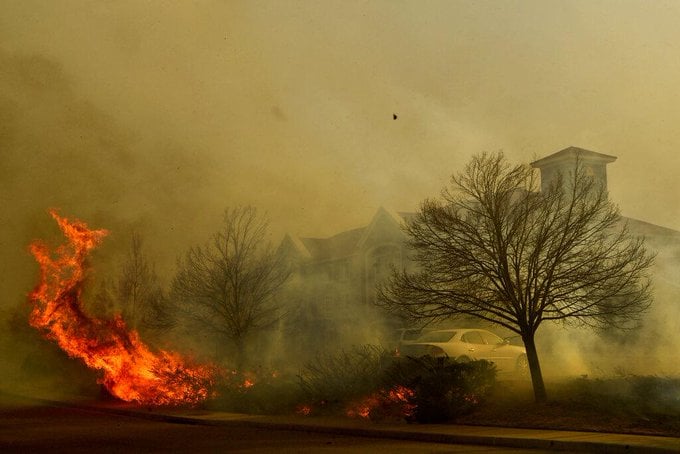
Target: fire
[(131, 371), (241, 379), (304, 410), (393, 402)]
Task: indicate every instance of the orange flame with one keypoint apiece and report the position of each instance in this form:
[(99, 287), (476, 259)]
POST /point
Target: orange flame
[(392, 402), (131, 371), (304, 410)]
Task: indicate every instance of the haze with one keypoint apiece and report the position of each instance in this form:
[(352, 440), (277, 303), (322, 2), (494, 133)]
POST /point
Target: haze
[(155, 116)]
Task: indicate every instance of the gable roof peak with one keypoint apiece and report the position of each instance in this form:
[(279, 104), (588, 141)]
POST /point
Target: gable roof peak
[(296, 244)]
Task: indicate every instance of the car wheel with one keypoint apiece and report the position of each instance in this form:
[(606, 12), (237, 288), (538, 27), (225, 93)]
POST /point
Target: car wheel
[(522, 366), (463, 359)]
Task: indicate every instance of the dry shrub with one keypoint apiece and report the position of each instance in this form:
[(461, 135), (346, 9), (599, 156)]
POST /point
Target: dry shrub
[(258, 392)]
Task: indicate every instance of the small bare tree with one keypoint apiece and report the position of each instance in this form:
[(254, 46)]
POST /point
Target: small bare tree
[(135, 282), (137, 292), (496, 249), (227, 286)]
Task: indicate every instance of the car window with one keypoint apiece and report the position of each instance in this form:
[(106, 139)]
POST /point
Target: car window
[(472, 337), (516, 340), (437, 336), (491, 338)]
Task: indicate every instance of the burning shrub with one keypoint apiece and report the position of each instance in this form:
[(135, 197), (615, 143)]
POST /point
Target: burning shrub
[(393, 403), (441, 388), (332, 380), (367, 382)]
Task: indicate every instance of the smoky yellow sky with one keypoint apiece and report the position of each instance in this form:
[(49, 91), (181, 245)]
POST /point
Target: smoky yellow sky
[(156, 115)]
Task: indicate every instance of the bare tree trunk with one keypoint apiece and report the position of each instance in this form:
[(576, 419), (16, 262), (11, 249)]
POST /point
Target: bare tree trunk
[(240, 353), (540, 394)]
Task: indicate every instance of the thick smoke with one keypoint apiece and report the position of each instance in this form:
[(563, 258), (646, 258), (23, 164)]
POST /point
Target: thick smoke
[(153, 118), (651, 349)]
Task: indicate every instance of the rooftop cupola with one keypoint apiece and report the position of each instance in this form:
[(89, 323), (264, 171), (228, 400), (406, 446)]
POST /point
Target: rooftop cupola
[(564, 162)]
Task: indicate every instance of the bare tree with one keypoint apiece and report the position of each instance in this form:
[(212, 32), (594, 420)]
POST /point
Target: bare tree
[(133, 282), (101, 302), (227, 286), (139, 293), (496, 249)]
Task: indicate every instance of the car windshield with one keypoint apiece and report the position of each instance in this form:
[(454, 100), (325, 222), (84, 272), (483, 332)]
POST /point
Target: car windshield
[(437, 336)]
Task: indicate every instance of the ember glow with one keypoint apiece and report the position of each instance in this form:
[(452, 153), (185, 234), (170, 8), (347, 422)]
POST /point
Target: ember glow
[(394, 402), (242, 380), (131, 371), (303, 410)]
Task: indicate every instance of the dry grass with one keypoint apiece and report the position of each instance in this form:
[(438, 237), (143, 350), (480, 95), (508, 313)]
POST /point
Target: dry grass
[(628, 404)]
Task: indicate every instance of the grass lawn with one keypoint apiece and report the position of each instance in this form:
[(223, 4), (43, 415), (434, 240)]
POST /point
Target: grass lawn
[(630, 404)]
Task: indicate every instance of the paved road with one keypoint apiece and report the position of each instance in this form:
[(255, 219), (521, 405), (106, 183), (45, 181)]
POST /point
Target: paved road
[(25, 428)]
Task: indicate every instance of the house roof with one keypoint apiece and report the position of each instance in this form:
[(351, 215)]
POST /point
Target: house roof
[(294, 243), (571, 153), (339, 245), (344, 243), (407, 216), (647, 229), (348, 242), (380, 216)]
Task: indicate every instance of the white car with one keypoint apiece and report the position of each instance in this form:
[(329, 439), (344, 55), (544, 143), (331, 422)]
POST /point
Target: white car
[(466, 344), (404, 336)]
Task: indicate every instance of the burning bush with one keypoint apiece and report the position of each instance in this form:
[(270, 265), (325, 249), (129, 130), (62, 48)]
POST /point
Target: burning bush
[(332, 380), (441, 388), (367, 382), (392, 403)]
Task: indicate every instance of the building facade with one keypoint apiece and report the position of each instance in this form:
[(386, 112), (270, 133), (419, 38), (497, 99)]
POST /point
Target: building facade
[(357, 259)]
